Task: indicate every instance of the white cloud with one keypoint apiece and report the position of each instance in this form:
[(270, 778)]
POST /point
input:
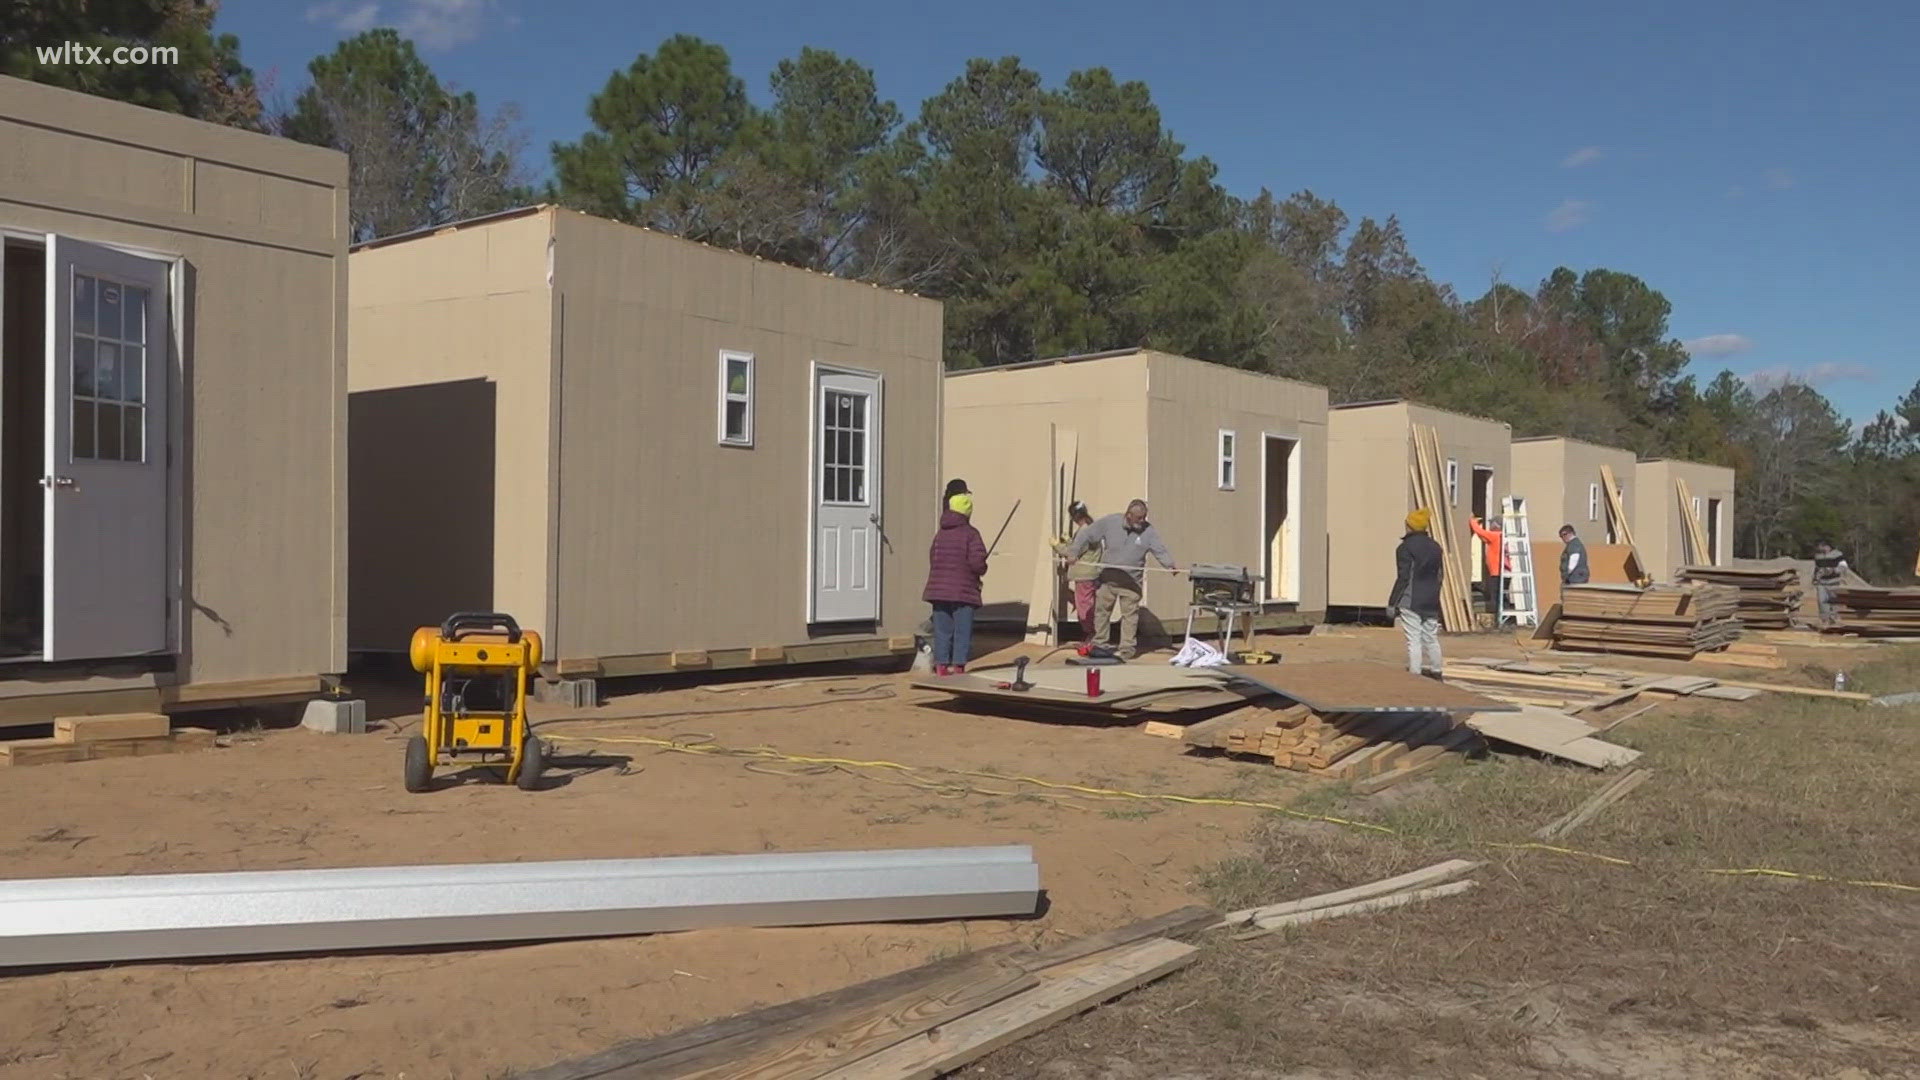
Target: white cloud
[(433, 24), (345, 15), (442, 24), (1826, 371), (1719, 345), (1570, 214), (1586, 155), (1780, 179)]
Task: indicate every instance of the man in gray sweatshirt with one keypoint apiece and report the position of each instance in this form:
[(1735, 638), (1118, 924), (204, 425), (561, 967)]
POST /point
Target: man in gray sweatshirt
[(1126, 541)]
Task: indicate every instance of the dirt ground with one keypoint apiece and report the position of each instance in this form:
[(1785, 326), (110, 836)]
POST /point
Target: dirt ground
[(280, 798)]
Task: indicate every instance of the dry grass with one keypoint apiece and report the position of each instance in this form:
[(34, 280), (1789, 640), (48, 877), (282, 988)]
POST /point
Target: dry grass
[(1569, 966)]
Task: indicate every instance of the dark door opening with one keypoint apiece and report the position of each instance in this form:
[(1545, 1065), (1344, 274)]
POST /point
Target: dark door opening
[(1279, 535), (1713, 532), (23, 422)]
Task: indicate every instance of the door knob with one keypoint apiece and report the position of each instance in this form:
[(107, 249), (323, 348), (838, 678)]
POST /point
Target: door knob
[(57, 481)]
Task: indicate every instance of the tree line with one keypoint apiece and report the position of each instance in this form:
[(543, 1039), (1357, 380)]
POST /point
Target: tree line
[(1050, 220)]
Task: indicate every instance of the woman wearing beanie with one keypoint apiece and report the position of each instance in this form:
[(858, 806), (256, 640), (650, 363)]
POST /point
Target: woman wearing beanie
[(956, 562), (1415, 600)]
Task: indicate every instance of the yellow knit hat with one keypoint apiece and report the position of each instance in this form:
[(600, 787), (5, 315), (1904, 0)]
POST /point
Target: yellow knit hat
[(961, 502), (1419, 520)]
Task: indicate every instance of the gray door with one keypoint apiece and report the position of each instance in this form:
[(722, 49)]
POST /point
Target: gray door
[(846, 494), (106, 457)]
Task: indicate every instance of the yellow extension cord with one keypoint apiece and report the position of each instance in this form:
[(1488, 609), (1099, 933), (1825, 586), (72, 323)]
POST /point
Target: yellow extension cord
[(767, 753)]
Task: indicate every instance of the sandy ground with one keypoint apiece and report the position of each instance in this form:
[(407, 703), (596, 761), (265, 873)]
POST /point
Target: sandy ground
[(287, 798)]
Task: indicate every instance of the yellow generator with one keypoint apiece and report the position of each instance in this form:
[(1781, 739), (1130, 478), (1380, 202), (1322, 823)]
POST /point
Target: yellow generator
[(476, 665)]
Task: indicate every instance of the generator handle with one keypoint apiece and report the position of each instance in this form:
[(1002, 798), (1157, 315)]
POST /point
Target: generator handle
[(474, 622)]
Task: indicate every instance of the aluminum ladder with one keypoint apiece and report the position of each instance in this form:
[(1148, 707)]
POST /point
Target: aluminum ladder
[(1519, 599)]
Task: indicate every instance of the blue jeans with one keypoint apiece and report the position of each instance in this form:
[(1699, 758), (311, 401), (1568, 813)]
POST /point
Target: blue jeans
[(952, 633)]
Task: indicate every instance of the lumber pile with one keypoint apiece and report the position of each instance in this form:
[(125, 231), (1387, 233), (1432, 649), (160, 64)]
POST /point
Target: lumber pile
[(92, 738), (1872, 612), (1767, 598), (1662, 620), (914, 1025), (1334, 746), (1430, 494)]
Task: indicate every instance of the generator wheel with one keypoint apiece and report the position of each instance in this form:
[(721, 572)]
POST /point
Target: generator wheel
[(533, 762), (419, 769)]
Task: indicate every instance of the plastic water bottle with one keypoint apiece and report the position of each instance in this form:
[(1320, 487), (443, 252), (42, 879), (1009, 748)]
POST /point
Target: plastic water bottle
[(1840, 680)]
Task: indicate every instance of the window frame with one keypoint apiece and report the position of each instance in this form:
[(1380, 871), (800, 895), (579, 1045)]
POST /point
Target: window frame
[(1226, 474), (727, 396), (1593, 502), (1453, 482)]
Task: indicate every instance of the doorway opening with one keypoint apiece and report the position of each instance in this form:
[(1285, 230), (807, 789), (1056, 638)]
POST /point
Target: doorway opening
[(1280, 519), (1482, 508), (23, 422), (1713, 532)]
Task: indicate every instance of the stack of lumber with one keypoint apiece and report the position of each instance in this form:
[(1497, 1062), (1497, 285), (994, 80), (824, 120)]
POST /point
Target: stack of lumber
[(91, 738), (1653, 682), (1879, 612), (1768, 598), (1662, 620), (920, 1023), (1430, 494), (1522, 682), (1334, 746)]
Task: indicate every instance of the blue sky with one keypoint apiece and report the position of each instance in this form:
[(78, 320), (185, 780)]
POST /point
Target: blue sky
[(1756, 162)]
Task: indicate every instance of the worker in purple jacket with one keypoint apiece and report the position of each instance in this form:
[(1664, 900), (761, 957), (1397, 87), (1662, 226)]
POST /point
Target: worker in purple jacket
[(955, 564)]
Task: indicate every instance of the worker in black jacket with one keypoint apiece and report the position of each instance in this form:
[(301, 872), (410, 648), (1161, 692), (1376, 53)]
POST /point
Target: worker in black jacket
[(1573, 558), (1415, 601)]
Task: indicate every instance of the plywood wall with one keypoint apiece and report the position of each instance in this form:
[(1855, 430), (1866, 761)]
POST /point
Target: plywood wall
[(261, 225), (668, 540), (1658, 524)]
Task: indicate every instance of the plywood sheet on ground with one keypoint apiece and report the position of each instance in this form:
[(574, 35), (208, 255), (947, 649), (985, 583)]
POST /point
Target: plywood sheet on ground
[(1356, 686), (1121, 685)]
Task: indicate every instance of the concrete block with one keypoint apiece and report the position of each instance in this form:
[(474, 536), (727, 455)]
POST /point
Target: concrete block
[(335, 716), (568, 693)]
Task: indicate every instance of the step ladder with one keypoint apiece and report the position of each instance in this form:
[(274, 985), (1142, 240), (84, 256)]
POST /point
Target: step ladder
[(1519, 600)]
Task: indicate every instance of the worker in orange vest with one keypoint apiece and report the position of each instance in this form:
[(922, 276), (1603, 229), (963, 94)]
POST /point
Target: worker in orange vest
[(1498, 563)]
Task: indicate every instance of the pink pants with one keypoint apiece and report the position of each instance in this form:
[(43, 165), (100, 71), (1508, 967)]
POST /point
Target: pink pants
[(1083, 604)]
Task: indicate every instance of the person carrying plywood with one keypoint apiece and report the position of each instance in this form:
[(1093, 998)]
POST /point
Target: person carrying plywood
[(1415, 600), (1125, 542), (1083, 572)]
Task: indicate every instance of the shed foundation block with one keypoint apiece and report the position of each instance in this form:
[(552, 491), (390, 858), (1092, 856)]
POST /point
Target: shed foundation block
[(336, 716)]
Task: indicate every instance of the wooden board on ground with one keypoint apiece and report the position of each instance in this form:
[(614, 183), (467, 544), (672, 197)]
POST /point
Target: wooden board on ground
[(1357, 686), (1123, 686), (78, 729), (1553, 734)]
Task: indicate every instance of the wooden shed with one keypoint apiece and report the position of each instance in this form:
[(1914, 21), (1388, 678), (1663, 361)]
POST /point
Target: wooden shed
[(172, 410), (1561, 481), (1232, 464), (1369, 451), (1666, 488), (660, 454)]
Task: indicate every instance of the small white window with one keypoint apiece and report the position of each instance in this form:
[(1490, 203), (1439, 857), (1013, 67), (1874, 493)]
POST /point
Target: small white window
[(1696, 509), (1593, 502), (736, 398), (1226, 460), (1453, 482)]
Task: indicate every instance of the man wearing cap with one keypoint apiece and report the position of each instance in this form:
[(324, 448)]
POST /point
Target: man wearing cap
[(1125, 542), (1083, 572), (1415, 600)]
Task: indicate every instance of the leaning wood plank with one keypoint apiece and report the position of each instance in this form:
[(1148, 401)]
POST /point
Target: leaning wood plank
[(865, 1031), (722, 1040), (1598, 801), (1438, 872), (966, 1040), (1175, 923), (1380, 903)]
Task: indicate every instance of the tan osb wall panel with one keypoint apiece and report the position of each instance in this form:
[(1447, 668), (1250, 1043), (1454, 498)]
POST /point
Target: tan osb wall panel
[(1557, 477), (1657, 525), (1191, 402), (264, 519), (995, 438), (669, 540), (430, 316)]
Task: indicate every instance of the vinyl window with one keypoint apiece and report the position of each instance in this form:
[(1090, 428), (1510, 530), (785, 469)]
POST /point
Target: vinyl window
[(1453, 482), (1227, 465), (1593, 502), (736, 399)]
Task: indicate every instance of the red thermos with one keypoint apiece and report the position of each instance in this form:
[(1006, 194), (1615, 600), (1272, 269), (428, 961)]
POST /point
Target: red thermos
[(1093, 682)]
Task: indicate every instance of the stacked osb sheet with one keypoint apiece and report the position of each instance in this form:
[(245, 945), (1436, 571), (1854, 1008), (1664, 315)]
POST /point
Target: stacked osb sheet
[(1336, 746), (1768, 598), (91, 738), (1674, 621), (1879, 612)]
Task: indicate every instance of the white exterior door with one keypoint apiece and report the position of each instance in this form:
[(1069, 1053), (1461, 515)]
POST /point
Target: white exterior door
[(106, 456), (846, 498)]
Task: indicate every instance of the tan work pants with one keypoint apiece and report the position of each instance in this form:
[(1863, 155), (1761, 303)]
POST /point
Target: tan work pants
[(1127, 598)]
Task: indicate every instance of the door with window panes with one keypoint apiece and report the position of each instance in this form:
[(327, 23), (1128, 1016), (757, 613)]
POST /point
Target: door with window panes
[(106, 455), (846, 494)]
